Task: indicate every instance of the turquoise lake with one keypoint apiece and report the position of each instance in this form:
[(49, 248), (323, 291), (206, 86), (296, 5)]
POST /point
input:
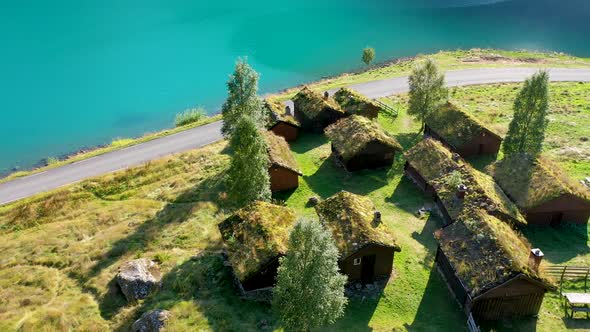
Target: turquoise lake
[(75, 74)]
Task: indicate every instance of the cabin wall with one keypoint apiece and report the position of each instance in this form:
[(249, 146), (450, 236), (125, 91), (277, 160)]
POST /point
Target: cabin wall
[(383, 262), (443, 211), (564, 209), (282, 179), (326, 117), (286, 131), (516, 298), (266, 277), (375, 155), (415, 177), (451, 278), (486, 143)]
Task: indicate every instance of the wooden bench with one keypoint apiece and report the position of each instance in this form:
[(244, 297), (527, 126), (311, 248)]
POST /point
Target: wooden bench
[(577, 302), (573, 301)]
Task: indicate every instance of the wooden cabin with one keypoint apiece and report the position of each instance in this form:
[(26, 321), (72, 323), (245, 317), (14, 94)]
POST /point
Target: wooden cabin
[(281, 121), (489, 268), (359, 143), (354, 103), (455, 185), (254, 238), (314, 111), (284, 172), (366, 245), (461, 132), (545, 195)]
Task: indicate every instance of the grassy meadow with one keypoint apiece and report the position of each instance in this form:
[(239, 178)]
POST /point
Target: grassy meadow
[(60, 251)]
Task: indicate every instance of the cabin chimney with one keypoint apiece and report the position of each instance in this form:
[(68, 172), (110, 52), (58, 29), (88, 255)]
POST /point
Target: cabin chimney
[(461, 191), (288, 110), (326, 95), (535, 258), (456, 157), (377, 217)]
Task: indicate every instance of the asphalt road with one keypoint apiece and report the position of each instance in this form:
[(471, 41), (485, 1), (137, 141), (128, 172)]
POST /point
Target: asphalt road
[(201, 136)]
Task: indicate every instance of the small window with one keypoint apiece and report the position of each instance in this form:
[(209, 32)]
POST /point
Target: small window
[(357, 261)]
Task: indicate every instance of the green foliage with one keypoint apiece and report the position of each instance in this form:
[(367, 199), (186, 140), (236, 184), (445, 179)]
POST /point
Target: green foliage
[(310, 290), (191, 115), (527, 129), (242, 100), (427, 90), (368, 55), (455, 179), (248, 178)]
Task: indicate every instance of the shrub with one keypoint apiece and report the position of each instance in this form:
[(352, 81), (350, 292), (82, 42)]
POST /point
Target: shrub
[(189, 116)]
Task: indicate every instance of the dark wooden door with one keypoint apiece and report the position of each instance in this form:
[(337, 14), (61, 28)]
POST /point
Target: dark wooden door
[(556, 219), (368, 269)]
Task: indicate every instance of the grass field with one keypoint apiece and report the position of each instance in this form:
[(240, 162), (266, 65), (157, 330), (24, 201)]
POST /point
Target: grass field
[(60, 251)]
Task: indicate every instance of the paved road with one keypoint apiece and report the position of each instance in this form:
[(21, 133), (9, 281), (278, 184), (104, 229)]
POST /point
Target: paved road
[(197, 137)]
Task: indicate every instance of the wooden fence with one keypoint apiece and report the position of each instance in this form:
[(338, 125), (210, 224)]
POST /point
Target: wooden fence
[(386, 108), (563, 272)]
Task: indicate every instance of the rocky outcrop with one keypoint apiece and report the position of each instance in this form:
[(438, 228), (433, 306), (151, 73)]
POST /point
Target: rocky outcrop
[(151, 321), (138, 279)]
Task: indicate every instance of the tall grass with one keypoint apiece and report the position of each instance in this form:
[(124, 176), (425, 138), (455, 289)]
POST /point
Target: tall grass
[(191, 115)]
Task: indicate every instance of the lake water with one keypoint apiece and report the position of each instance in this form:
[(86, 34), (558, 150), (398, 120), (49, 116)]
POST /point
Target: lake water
[(77, 73)]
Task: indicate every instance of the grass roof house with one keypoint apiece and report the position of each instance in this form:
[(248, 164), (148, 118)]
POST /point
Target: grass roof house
[(366, 245), (461, 132), (314, 111), (284, 172), (281, 121), (360, 143), (353, 102), (255, 237), (490, 268), (455, 185), (540, 189)]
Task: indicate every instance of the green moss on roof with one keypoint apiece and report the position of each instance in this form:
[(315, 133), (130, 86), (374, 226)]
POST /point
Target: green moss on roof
[(312, 103), (350, 218), (255, 235), (351, 135), (482, 193), (455, 126), (485, 252), (279, 152), (277, 113), (531, 182), (355, 103), (431, 159), (435, 163)]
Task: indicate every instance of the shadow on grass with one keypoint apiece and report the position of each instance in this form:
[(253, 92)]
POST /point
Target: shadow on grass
[(358, 312), (560, 244), (307, 141), (330, 179), (408, 140), (429, 317), (173, 213), (426, 237), (204, 284), (408, 197), (482, 161)]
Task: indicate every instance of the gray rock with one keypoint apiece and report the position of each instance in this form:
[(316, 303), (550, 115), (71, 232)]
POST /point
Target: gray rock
[(313, 201), (138, 279), (151, 321)]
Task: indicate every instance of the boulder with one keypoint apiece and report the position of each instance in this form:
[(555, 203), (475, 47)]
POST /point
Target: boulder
[(138, 279), (151, 321), (313, 201)]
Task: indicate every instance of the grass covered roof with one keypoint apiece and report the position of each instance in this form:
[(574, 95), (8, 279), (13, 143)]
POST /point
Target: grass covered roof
[(353, 102), (350, 218), (431, 159), (531, 182), (255, 235), (351, 135), (436, 165), (280, 153), (482, 193), (455, 126), (485, 252), (277, 113), (312, 103)]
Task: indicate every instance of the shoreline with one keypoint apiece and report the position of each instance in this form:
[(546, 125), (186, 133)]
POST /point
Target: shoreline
[(452, 59)]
